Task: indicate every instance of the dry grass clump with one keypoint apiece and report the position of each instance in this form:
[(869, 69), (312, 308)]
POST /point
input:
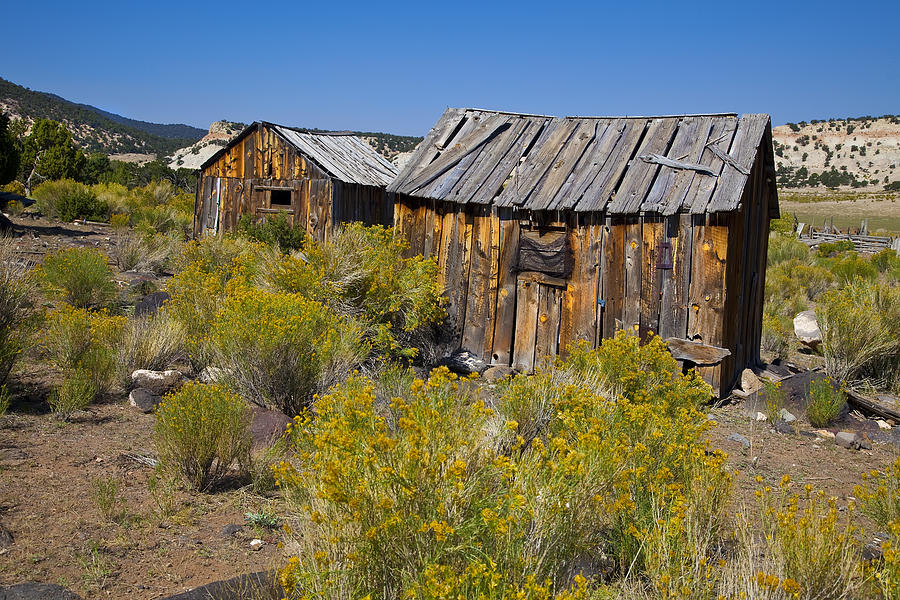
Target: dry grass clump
[(152, 252), (201, 432), (151, 342)]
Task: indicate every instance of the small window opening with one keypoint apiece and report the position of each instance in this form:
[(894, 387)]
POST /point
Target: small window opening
[(280, 198)]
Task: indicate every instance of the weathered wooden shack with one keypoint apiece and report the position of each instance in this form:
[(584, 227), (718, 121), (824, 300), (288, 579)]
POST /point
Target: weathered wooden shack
[(317, 180), (549, 230)]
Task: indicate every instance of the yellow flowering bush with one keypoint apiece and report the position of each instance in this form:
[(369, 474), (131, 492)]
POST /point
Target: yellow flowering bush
[(75, 338), (17, 314), (78, 276), (280, 349), (825, 402), (441, 493), (202, 431), (75, 393), (208, 269), (361, 271), (880, 498), (809, 542)]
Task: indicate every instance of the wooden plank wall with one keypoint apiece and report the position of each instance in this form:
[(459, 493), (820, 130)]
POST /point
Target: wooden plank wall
[(262, 159), (617, 281)]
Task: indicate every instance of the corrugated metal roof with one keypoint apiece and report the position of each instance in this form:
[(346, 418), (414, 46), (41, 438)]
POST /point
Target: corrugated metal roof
[(623, 165), (343, 156)]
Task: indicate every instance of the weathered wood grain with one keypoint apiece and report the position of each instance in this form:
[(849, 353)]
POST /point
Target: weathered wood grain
[(526, 325), (505, 321)]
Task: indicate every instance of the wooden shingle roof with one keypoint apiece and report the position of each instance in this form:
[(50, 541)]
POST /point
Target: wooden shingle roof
[(622, 165)]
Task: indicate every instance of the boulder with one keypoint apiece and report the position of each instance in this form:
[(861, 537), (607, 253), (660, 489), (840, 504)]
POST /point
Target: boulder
[(151, 303), (260, 586), (36, 591), (266, 425), (750, 383), (158, 382), (806, 328), (742, 440), (498, 372), (847, 439), (144, 400), (784, 427)]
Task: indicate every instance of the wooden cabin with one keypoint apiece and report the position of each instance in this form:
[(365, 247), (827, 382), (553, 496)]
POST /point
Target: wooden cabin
[(317, 180), (549, 230)]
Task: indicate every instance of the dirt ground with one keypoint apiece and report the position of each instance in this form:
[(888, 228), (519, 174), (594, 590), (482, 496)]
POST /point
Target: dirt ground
[(48, 469)]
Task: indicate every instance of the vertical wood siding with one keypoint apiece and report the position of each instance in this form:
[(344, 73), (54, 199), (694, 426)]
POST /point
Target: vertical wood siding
[(712, 293), (263, 159)]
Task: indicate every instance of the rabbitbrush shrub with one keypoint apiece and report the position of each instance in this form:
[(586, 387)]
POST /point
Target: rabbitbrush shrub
[(16, 307), (78, 276), (361, 272), (440, 495), (76, 392), (825, 402), (68, 200), (201, 432), (880, 497), (78, 339), (280, 349), (861, 331)]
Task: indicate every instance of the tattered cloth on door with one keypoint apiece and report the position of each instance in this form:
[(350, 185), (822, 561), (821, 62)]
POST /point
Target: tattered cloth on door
[(549, 254)]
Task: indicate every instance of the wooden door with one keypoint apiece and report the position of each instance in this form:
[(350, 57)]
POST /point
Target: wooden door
[(538, 308), (209, 211)]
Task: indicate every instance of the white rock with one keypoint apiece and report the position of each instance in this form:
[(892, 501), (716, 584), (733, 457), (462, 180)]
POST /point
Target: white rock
[(806, 328), (158, 382), (256, 544), (761, 416), (882, 424), (750, 382), (786, 416), (824, 434), (212, 375)]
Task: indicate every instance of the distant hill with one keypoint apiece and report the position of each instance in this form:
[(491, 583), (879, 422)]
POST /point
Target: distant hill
[(94, 129), (862, 152)]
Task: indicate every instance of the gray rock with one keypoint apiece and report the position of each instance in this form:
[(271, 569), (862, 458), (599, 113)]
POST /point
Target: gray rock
[(259, 586), (784, 427), (151, 303), (806, 328), (144, 400), (266, 425), (743, 441), (864, 444), (786, 416), (158, 382), (231, 529), (846, 439), (498, 372), (36, 591)]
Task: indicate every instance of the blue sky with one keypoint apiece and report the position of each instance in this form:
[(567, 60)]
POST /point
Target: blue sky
[(395, 66)]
